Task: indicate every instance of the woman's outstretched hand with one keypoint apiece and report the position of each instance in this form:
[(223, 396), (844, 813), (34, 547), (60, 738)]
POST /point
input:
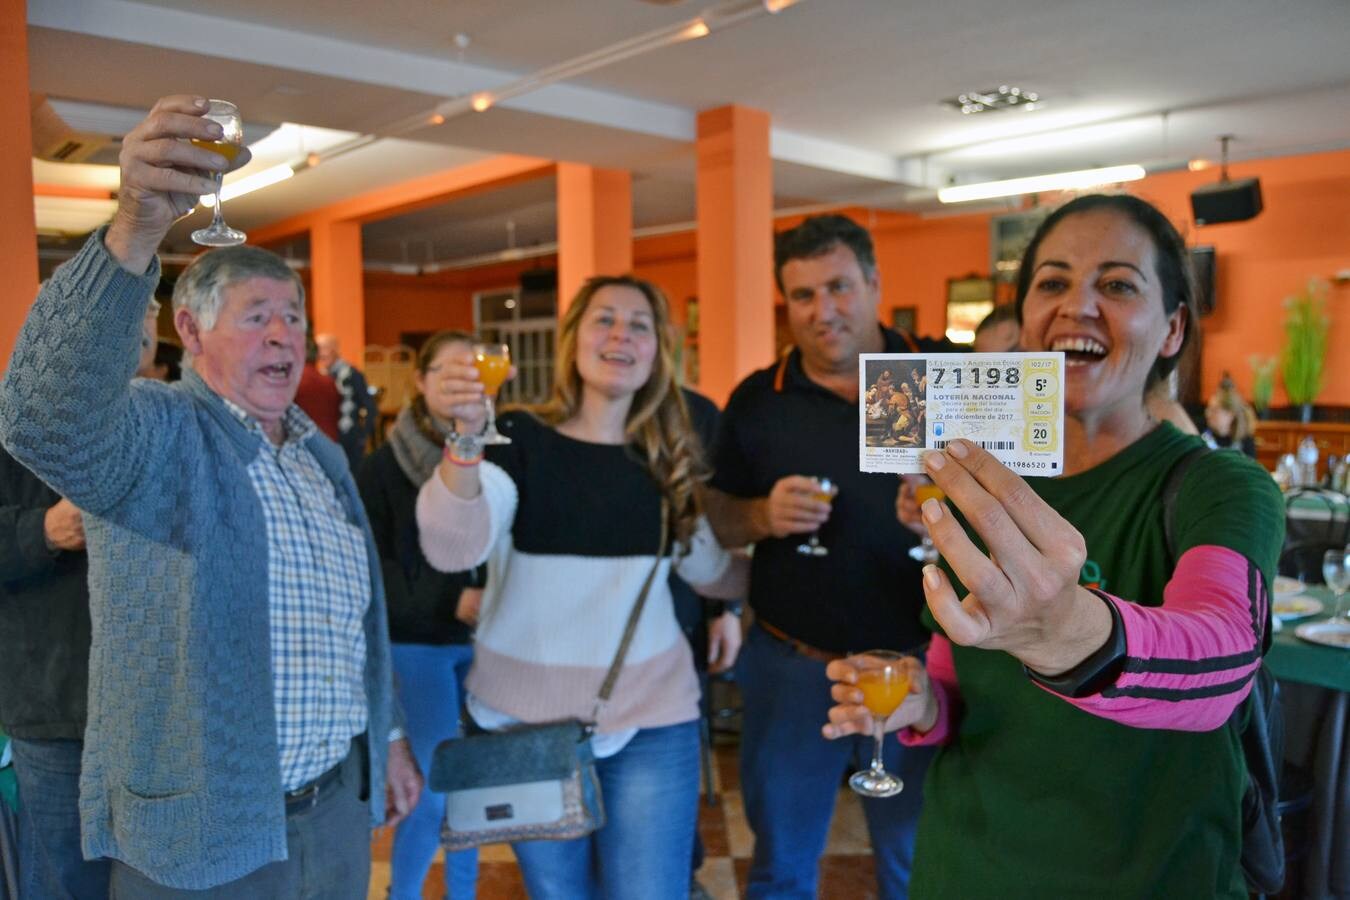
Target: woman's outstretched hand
[(1024, 593)]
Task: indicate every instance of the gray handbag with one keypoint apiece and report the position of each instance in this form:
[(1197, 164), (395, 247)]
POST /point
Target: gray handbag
[(534, 782)]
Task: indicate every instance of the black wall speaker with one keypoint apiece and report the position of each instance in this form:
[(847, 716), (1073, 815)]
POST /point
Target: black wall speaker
[(538, 280), (1226, 201)]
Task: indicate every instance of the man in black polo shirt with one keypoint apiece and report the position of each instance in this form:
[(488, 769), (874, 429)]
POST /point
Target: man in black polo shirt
[(783, 427)]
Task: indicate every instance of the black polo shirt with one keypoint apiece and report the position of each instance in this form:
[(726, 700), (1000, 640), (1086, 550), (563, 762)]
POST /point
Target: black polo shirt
[(866, 593)]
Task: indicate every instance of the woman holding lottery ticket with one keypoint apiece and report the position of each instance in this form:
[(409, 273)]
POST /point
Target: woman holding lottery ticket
[(1092, 639)]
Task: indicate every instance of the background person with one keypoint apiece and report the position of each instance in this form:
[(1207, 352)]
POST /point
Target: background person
[(431, 641), (568, 518), (357, 410), (1089, 746), (1229, 420)]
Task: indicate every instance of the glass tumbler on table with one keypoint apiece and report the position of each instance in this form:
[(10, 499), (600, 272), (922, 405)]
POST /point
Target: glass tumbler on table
[(1336, 573), (884, 682), (225, 114)]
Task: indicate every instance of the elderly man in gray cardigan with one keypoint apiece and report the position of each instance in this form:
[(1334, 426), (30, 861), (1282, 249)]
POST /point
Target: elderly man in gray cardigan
[(241, 738)]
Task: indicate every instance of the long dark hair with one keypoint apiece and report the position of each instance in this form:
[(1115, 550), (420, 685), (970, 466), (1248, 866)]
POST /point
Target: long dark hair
[(1172, 262)]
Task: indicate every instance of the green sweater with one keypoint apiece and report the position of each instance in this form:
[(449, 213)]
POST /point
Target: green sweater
[(1036, 798)]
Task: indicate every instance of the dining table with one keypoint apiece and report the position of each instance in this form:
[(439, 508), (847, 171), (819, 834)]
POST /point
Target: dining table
[(1315, 696)]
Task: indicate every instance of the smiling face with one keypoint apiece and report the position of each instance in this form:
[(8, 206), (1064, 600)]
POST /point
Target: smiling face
[(616, 341), (254, 353), (831, 308), (1095, 293)]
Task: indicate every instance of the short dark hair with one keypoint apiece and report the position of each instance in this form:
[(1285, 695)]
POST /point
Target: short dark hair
[(1004, 312), (1173, 263), (818, 235)]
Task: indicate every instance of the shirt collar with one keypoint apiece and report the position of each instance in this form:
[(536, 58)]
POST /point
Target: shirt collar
[(298, 426)]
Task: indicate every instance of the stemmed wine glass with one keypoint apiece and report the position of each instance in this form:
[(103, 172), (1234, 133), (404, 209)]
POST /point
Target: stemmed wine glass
[(884, 682), (926, 552), (493, 362), (826, 490), (1336, 573), (226, 114)]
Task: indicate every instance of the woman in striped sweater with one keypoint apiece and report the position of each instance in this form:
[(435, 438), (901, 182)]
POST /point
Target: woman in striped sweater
[(568, 519), (1093, 639)]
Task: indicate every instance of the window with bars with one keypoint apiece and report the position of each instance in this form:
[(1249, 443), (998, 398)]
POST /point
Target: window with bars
[(527, 322)]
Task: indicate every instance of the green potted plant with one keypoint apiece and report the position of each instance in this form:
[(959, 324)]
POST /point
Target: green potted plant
[(1303, 358), (1263, 382)]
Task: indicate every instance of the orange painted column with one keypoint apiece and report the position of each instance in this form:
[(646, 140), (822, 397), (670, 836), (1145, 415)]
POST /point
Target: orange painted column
[(338, 291), (18, 230), (735, 247), (595, 226)]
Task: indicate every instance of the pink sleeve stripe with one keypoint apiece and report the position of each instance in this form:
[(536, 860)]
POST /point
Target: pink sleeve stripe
[(941, 668), (1190, 662)]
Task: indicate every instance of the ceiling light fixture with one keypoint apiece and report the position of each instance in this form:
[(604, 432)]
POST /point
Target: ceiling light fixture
[(713, 19), (993, 99), (1059, 181)]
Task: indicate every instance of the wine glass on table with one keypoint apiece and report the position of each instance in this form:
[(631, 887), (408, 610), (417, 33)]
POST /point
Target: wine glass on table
[(826, 491), (225, 114), (884, 682), (493, 362), (926, 552), (1336, 573)]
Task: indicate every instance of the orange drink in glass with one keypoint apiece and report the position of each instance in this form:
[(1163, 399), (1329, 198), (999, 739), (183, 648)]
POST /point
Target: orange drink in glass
[(826, 490), (224, 148), (493, 362), (926, 552), (226, 115), (884, 689), (884, 682), (492, 370)]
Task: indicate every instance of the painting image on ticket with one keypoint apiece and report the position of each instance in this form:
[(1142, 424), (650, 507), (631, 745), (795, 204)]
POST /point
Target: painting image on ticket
[(1011, 404)]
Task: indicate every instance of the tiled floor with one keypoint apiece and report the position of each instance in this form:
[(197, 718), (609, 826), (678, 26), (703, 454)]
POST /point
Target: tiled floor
[(846, 870)]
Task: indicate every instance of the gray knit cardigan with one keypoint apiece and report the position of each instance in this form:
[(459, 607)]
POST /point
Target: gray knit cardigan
[(181, 778)]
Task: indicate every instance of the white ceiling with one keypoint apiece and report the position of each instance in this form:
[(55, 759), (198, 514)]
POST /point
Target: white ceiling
[(852, 87)]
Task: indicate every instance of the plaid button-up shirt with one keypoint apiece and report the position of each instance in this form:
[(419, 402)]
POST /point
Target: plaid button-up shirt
[(318, 582)]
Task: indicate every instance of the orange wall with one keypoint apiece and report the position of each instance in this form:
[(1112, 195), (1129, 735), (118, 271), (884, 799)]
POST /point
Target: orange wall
[(18, 232), (1303, 232)]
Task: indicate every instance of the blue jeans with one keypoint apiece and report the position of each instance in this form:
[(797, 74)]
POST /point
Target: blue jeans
[(650, 791), (51, 863), (790, 776), (430, 687)]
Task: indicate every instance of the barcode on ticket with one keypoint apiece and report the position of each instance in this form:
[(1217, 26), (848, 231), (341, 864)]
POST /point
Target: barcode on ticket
[(986, 445)]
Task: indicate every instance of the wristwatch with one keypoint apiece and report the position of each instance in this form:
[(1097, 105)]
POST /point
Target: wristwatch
[(732, 606), (464, 449), (1101, 668)]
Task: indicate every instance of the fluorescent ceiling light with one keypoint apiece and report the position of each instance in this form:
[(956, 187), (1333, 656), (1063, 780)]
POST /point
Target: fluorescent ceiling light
[(1060, 181), (250, 183), (71, 215)]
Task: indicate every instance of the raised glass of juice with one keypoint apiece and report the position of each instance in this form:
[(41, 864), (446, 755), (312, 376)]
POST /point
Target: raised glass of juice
[(826, 491), (493, 362), (926, 552), (226, 114), (884, 682)]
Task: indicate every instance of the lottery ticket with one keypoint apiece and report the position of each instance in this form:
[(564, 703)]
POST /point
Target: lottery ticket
[(1011, 404)]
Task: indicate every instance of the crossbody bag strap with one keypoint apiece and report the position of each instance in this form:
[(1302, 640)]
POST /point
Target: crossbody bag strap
[(612, 676)]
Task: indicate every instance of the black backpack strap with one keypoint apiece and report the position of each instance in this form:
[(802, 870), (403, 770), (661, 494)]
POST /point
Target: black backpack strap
[(1171, 491)]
